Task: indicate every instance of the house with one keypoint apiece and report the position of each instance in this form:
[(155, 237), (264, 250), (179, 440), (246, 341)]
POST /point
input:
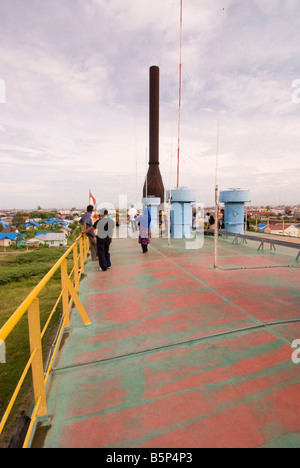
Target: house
[(7, 238), (51, 221), (289, 229), (259, 214), (32, 225), (53, 239), (66, 230), (21, 243), (33, 242), (261, 227), (65, 212), (4, 224), (292, 231), (275, 228), (10, 230)]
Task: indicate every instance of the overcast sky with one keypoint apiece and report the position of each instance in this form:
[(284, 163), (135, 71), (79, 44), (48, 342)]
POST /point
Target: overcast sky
[(76, 114)]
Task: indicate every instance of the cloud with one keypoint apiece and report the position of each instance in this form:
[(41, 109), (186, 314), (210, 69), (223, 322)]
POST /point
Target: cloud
[(76, 113)]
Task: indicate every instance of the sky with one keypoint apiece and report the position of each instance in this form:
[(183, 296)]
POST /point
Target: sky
[(74, 99)]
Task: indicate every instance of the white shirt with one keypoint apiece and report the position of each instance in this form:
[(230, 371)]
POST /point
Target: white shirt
[(132, 213)]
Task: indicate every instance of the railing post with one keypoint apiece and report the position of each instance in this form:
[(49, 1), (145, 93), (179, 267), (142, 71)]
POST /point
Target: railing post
[(76, 273), (87, 247), (81, 255), (84, 248), (65, 294), (37, 363)]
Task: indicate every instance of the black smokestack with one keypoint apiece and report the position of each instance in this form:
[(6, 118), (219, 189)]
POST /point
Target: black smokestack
[(154, 185)]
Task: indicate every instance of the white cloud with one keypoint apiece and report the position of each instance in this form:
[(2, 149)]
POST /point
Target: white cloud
[(76, 115)]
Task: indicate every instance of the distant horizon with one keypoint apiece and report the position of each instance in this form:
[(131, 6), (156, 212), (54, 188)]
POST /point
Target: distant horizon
[(247, 205)]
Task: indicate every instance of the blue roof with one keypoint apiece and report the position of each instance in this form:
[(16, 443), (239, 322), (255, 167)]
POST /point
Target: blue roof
[(9, 235), (50, 222), (32, 223), (261, 226), (4, 224)]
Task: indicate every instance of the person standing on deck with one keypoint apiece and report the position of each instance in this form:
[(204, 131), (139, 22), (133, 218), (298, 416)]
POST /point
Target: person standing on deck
[(132, 214), (105, 228), (206, 221), (87, 223), (144, 222)]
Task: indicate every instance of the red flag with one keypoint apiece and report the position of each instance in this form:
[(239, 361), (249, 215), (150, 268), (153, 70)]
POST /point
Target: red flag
[(93, 199)]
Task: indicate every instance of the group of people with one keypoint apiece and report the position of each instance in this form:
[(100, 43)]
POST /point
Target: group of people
[(209, 220), (100, 233)]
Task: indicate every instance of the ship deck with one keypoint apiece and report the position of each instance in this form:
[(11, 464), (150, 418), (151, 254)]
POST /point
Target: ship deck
[(179, 354)]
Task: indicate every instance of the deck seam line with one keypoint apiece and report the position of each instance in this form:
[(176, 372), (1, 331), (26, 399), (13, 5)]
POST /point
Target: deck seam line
[(265, 326)]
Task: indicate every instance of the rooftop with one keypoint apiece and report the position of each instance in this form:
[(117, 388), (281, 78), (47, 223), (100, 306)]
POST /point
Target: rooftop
[(179, 354), (52, 236), (9, 235)]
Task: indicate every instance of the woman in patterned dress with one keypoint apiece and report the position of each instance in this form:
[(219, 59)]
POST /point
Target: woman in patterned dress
[(144, 224)]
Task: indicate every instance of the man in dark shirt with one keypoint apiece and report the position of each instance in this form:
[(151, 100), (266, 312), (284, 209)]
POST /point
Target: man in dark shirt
[(87, 223), (105, 227)]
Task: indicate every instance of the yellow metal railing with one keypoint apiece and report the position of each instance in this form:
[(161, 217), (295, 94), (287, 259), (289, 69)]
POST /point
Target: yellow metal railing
[(69, 289)]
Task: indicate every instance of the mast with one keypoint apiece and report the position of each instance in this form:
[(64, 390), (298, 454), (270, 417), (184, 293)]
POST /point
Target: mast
[(180, 79), (217, 196)]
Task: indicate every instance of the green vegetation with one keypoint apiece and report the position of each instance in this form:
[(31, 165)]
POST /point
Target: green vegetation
[(19, 274)]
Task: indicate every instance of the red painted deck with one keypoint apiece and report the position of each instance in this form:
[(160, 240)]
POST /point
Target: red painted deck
[(180, 355)]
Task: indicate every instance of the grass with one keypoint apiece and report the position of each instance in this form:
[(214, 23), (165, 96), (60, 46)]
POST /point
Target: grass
[(19, 274)]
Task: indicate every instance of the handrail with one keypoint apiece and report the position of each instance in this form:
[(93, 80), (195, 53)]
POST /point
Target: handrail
[(69, 287), (12, 322)]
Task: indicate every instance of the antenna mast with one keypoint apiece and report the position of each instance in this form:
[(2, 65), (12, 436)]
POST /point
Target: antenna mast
[(217, 195), (180, 77)]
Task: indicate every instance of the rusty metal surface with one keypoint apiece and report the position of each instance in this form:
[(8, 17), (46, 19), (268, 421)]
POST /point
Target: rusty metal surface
[(154, 184)]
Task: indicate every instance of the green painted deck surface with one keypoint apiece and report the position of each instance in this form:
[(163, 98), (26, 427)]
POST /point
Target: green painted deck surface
[(180, 355)]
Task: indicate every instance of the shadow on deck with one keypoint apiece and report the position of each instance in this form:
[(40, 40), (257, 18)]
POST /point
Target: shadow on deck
[(180, 355)]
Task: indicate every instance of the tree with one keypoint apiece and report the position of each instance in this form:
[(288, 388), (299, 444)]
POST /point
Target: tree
[(18, 221)]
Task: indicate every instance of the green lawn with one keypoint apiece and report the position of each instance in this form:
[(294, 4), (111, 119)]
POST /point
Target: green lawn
[(19, 274)]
